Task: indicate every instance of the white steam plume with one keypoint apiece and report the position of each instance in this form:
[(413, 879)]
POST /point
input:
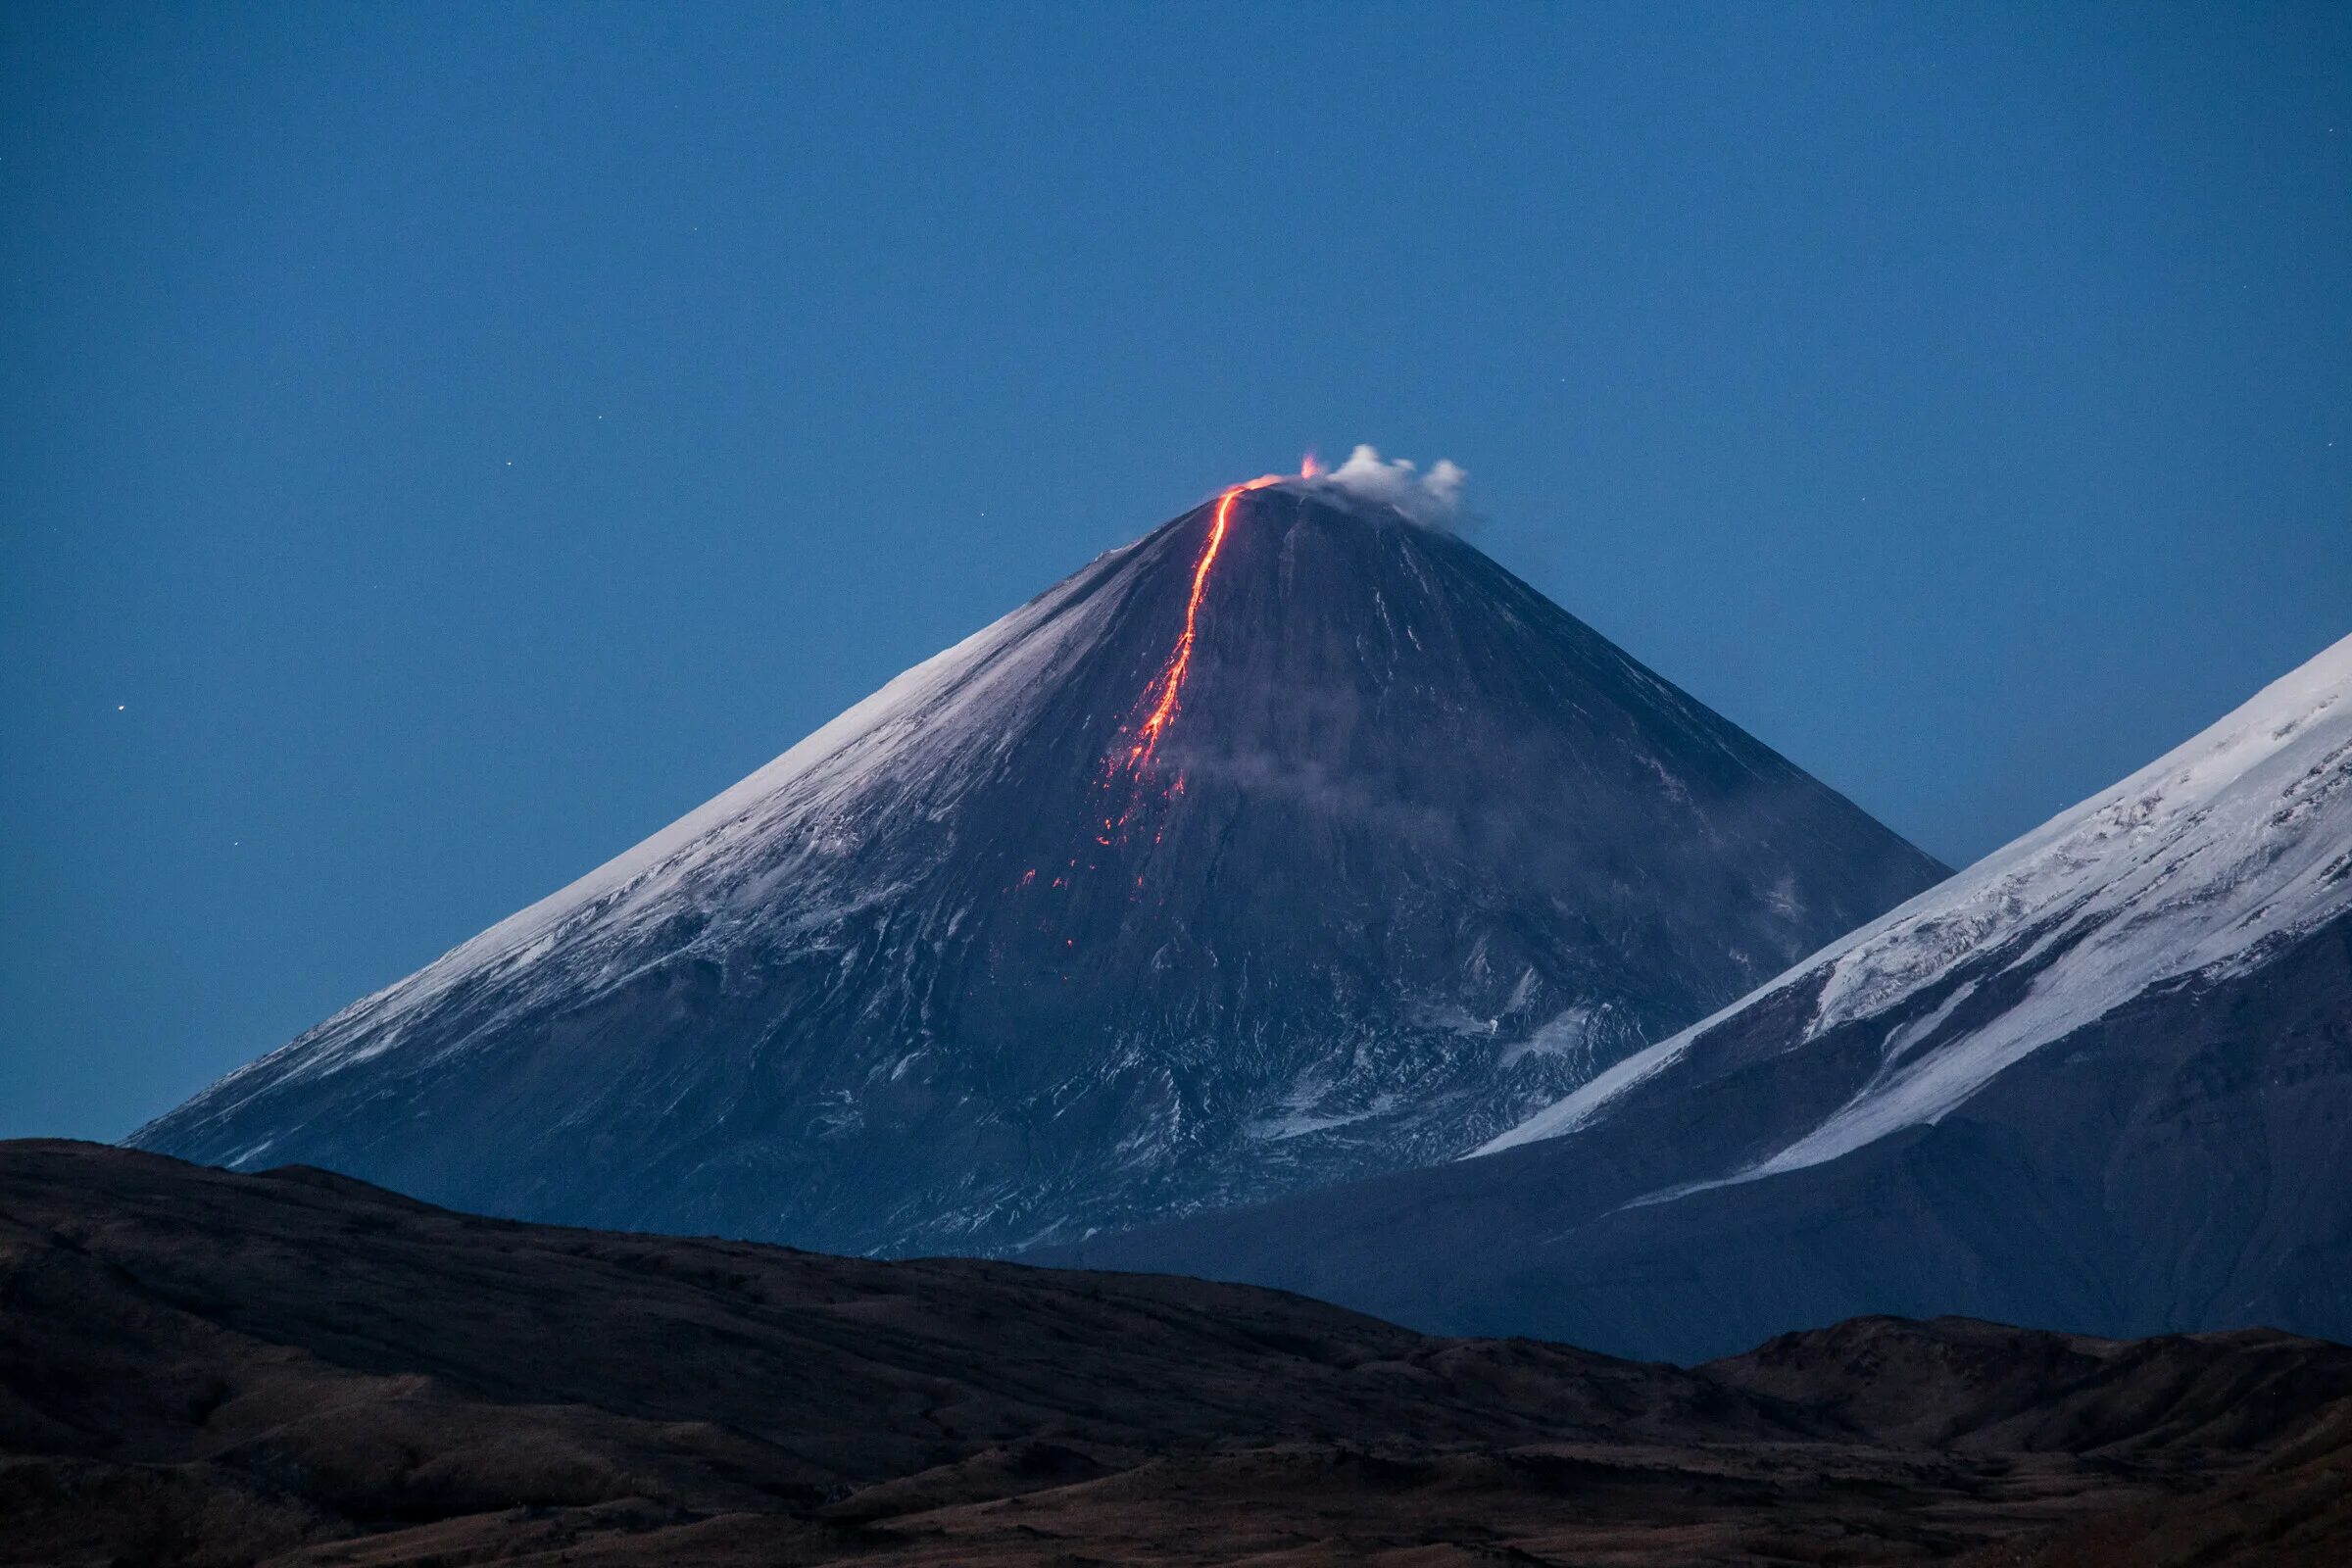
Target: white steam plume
[(1433, 499)]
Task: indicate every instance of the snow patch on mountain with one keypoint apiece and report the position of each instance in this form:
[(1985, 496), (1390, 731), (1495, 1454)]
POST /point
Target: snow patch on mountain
[(953, 700), (2197, 864)]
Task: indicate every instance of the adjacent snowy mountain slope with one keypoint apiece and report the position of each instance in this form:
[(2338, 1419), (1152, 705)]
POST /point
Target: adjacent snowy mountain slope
[(1293, 843), (2205, 861), (2102, 1080)]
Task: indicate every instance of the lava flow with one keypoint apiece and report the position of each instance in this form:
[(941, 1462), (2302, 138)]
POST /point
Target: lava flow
[(1169, 684), (1131, 761)]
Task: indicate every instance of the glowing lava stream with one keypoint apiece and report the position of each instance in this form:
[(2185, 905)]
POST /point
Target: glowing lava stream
[(1161, 699), (1171, 679)]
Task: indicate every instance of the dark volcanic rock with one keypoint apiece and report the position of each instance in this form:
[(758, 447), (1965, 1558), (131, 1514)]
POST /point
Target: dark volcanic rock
[(2292, 1510), (201, 1367), (1060, 931), (2100, 1081)]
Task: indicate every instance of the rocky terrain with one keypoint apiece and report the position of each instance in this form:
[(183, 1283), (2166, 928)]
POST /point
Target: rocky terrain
[(203, 1367), (2100, 1081), (1296, 842)]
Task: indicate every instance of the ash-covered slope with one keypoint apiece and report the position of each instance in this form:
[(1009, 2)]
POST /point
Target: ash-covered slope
[(1291, 842), (2100, 1081)]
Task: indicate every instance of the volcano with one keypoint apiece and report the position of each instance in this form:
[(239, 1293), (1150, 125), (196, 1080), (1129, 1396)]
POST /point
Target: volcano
[(1296, 842), (2100, 1081)]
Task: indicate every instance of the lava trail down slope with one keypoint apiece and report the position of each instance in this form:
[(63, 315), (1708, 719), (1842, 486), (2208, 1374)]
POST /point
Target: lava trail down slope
[(2099, 1081), (1291, 842)]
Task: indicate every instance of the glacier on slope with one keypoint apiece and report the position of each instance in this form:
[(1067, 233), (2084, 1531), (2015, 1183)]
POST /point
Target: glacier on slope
[(2225, 847)]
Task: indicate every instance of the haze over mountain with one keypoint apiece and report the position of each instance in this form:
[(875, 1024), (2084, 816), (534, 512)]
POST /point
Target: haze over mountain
[(2100, 1081), (1296, 842)]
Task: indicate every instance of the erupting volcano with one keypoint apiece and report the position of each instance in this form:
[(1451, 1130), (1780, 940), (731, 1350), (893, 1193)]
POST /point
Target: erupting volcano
[(1296, 841), (1170, 684), (1131, 764)]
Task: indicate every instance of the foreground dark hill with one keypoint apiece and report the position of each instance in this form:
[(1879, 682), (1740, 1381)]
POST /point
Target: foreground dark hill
[(208, 1368), (1294, 842), (2099, 1081)]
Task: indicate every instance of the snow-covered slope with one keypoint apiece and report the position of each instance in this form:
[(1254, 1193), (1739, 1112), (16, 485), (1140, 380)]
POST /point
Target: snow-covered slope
[(2200, 863), (738, 856), (2100, 1081), (1291, 842)]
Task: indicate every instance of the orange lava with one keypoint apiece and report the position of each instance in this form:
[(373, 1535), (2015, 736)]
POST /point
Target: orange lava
[(1171, 679), (1132, 771)]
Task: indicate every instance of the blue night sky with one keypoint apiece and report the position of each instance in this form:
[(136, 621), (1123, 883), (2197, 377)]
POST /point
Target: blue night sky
[(441, 444)]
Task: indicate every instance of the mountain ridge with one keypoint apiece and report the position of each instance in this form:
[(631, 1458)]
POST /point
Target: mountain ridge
[(295, 1368), (1295, 841), (2083, 884), (2100, 1082)]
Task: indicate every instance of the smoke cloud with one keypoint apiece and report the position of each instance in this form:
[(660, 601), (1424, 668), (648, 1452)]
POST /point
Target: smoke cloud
[(1433, 499)]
